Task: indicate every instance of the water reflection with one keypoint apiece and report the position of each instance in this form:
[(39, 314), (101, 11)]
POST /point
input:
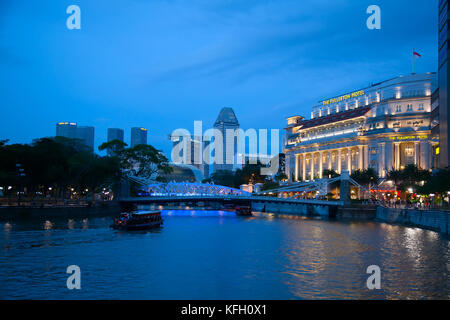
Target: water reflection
[(48, 225), (207, 254), (85, 223), (7, 227), (70, 224)]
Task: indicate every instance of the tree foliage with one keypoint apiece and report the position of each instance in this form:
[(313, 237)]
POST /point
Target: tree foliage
[(61, 164), (115, 147), (250, 173), (223, 178), (327, 173), (439, 182), (54, 164), (144, 161), (365, 177), (410, 176)]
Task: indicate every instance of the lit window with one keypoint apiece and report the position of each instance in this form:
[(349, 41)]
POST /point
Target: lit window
[(409, 151)]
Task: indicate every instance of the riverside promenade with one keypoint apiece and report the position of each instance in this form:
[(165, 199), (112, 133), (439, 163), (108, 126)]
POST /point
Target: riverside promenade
[(437, 220)]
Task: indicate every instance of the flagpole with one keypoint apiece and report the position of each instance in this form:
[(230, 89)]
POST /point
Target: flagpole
[(413, 61)]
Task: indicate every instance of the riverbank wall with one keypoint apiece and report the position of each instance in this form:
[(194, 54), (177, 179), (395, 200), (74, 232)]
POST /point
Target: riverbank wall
[(427, 219), (357, 212), (11, 213)]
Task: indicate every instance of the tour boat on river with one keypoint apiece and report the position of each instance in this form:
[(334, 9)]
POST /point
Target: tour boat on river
[(243, 210), (138, 220)]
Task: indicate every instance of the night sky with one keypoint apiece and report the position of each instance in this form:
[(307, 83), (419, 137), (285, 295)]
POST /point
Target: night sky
[(163, 64)]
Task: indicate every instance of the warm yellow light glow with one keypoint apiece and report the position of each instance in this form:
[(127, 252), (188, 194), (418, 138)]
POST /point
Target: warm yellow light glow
[(408, 137), (344, 97)]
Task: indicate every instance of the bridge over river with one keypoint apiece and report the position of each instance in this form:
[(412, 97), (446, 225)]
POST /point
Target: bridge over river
[(197, 195)]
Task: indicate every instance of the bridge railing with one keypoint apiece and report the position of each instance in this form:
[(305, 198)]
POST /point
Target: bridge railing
[(169, 198)]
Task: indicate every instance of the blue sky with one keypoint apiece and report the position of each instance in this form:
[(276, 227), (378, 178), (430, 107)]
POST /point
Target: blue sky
[(163, 64)]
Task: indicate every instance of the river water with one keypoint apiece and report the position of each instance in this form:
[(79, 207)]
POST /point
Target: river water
[(217, 255)]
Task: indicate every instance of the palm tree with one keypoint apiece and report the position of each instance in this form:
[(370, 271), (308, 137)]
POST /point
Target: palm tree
[(329, 173), (365, 177), (395, 176)]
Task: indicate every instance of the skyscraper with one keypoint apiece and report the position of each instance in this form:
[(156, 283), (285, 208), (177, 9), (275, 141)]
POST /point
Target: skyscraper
[(114, 134), (226, 120), (86, 134), (138, 136), (191, 153), (72, 131), (443, 71)]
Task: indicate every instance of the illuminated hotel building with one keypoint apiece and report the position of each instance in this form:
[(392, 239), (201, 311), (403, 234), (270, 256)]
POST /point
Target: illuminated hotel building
[(384, 126)]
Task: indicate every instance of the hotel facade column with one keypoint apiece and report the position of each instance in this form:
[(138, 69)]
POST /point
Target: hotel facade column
[(300, 165), (320, 163), (425, 155), (329, 160), (339, 168), (312, 166), (366, 157), (297, 159), (416, 153), (304, 167), (388, 156), (397, 155), (349, 160), (381, 159), (288, 167), (361, 158)]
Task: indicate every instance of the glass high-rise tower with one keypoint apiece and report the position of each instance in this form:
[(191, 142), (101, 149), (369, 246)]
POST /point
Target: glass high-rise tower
[(73, 131), (114, 134), (138, 136), (226, 120)]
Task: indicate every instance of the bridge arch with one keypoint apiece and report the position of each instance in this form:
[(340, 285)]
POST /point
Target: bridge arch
[(190, 189)]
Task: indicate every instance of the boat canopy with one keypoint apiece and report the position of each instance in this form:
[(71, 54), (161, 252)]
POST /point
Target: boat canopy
[(145, 213)]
